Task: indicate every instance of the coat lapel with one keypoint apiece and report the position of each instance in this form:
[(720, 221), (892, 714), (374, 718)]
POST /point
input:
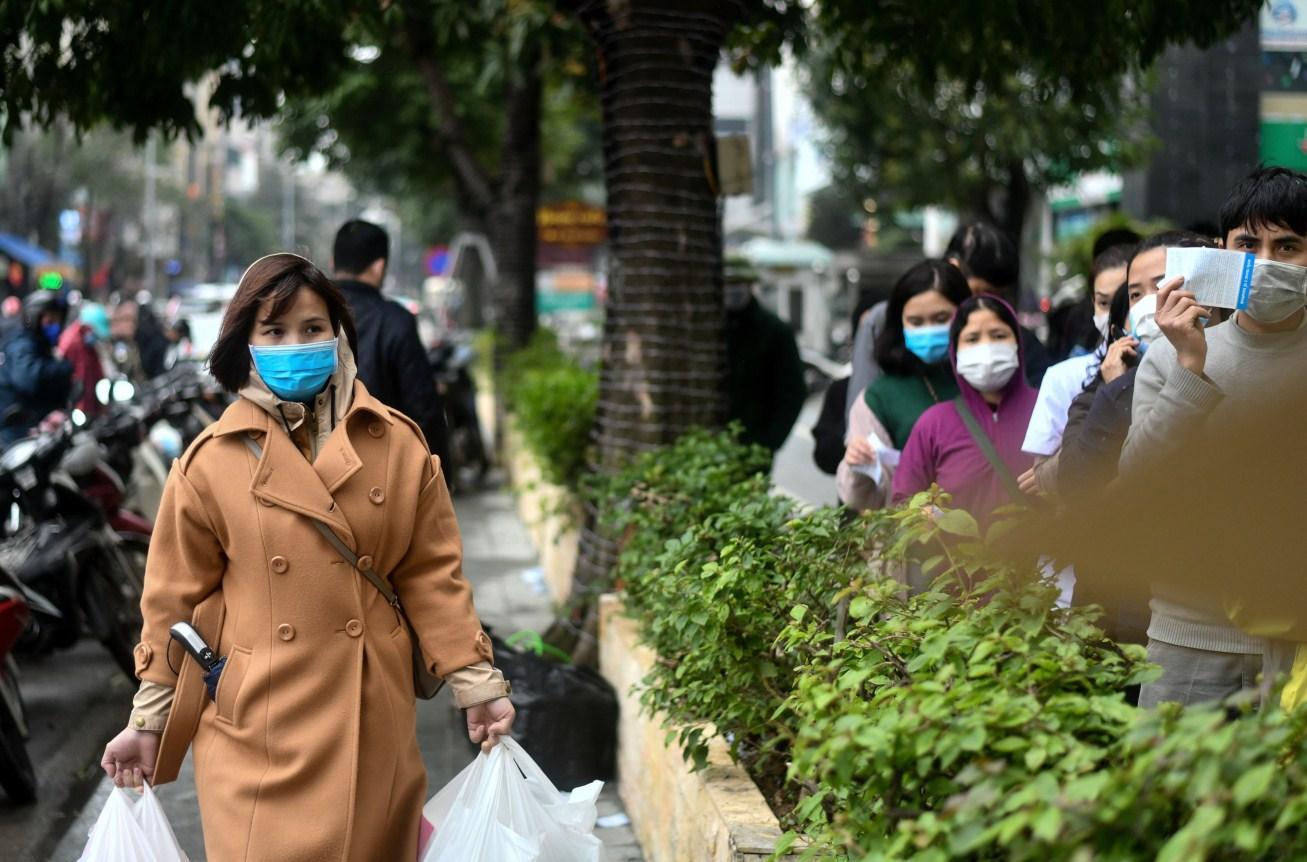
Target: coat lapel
[(284, 477)]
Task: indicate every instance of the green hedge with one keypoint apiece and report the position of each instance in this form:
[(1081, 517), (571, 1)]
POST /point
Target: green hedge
[(552, 400), (975, 720)]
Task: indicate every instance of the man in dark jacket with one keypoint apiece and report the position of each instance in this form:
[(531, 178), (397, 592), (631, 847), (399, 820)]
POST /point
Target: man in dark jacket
[(391, 360), (765, 386), (33, 383)]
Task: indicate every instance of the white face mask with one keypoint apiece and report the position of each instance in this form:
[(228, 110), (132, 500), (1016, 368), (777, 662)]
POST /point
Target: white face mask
[(1100, 323), (1278, 290), (1143, 320), (989, 367)]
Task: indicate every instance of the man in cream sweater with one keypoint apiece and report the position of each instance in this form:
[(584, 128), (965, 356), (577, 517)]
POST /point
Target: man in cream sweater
[(1196, 373)]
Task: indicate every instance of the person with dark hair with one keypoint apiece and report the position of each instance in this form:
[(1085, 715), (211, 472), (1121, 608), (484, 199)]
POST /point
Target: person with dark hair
[(971, 445), (391, 358), (1067, 379), (1092, 447), (33, 381), (1076, 328), (312, 701), (765, 389), (913, 353), (988, 258), (1197, 373)]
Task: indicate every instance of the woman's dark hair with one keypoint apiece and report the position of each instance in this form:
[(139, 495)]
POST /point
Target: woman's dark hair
[(1114, 257), (988, 303), (982, 250), (1118, 315), (1267, 197), (276, 278), (937, 275)]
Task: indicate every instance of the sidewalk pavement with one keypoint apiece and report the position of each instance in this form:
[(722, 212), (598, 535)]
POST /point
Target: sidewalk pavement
[(498, 560)]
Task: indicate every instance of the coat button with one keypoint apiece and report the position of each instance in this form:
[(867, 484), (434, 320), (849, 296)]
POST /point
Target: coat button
[(140, 722), (279, 565), (365, 563), (376, 429), (377, 496), (353, 628), (285, 631)]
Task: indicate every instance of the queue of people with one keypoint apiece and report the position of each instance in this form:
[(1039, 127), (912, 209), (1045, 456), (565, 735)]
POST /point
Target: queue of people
[(943, 393)]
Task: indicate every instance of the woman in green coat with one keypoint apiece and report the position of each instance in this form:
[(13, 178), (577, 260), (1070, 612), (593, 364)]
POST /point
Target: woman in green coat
[(913, 352)]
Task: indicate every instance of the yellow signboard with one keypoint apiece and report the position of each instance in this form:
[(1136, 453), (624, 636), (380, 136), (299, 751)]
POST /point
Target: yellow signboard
[(572, 223)]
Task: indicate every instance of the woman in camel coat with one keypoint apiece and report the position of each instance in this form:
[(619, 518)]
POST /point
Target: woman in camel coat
[(309, 749)]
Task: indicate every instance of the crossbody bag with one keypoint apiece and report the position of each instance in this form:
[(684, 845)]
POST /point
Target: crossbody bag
[(987, 449), (425, 683)]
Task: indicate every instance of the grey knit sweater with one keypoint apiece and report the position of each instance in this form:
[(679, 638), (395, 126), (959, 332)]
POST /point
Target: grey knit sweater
[(1169, 398)]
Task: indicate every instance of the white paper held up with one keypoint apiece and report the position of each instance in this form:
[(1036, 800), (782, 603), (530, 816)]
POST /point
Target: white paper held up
[(1218, 278)]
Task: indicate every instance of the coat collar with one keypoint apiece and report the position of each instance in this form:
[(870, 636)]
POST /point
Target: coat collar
[(284, 477)]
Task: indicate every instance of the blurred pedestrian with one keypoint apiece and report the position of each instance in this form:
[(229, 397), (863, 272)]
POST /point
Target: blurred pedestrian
[(81, 344), (914, 356), (765, 389), (33, 381), (971, 445), (391, 359)]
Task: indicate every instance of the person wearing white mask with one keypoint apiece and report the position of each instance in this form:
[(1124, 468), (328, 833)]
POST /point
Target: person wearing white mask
[(971, 446), (1067, 379), (1193, 375)]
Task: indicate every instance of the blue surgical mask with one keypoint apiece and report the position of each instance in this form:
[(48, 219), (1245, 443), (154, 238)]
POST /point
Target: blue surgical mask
[(52, 331), (296, 372), (928, 343)]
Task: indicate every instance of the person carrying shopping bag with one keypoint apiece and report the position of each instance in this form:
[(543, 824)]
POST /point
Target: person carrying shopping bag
[(308, 536)]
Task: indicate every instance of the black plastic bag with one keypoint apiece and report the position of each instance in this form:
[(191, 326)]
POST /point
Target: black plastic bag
[(566, 716)]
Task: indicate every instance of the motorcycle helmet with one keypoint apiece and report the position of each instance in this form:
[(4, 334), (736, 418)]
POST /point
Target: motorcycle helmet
[(40, 301)]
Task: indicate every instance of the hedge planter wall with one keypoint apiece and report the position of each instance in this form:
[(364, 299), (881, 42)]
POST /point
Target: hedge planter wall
[(716, 813)]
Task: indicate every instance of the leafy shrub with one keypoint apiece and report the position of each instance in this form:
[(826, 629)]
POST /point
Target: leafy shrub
[(973, 721), (553, 402), (958, 699)]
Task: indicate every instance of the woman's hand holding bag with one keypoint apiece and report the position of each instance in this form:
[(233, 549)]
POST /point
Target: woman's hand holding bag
[(487, 722), (130, 756)]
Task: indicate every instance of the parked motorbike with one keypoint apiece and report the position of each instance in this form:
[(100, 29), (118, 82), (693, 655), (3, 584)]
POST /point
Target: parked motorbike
[(451, 363), (61, 546), (17, 776)]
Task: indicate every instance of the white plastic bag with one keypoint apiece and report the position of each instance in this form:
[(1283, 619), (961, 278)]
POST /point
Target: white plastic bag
[(128, 831), (503, 808)]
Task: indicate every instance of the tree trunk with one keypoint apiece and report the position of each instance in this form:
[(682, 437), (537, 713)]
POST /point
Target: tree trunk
[(663, 352), (505, 203), (512, 221)]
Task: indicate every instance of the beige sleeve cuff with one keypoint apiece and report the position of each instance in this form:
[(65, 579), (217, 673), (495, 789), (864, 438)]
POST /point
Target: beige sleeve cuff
[(150, 707), (477, 684)]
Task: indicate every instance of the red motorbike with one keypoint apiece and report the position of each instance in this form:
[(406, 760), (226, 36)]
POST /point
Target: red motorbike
[(16, 773)]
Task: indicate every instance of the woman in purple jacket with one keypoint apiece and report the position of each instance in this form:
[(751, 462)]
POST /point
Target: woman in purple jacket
[(949, 442)]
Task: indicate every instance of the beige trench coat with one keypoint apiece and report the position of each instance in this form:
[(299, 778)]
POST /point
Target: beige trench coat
[(310, 750)]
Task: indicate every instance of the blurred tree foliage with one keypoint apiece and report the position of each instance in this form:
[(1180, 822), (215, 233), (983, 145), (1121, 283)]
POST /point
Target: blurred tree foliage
[(975, 105)]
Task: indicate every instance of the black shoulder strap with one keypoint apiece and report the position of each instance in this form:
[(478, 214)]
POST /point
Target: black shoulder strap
[(987, 449), (335, 542)]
